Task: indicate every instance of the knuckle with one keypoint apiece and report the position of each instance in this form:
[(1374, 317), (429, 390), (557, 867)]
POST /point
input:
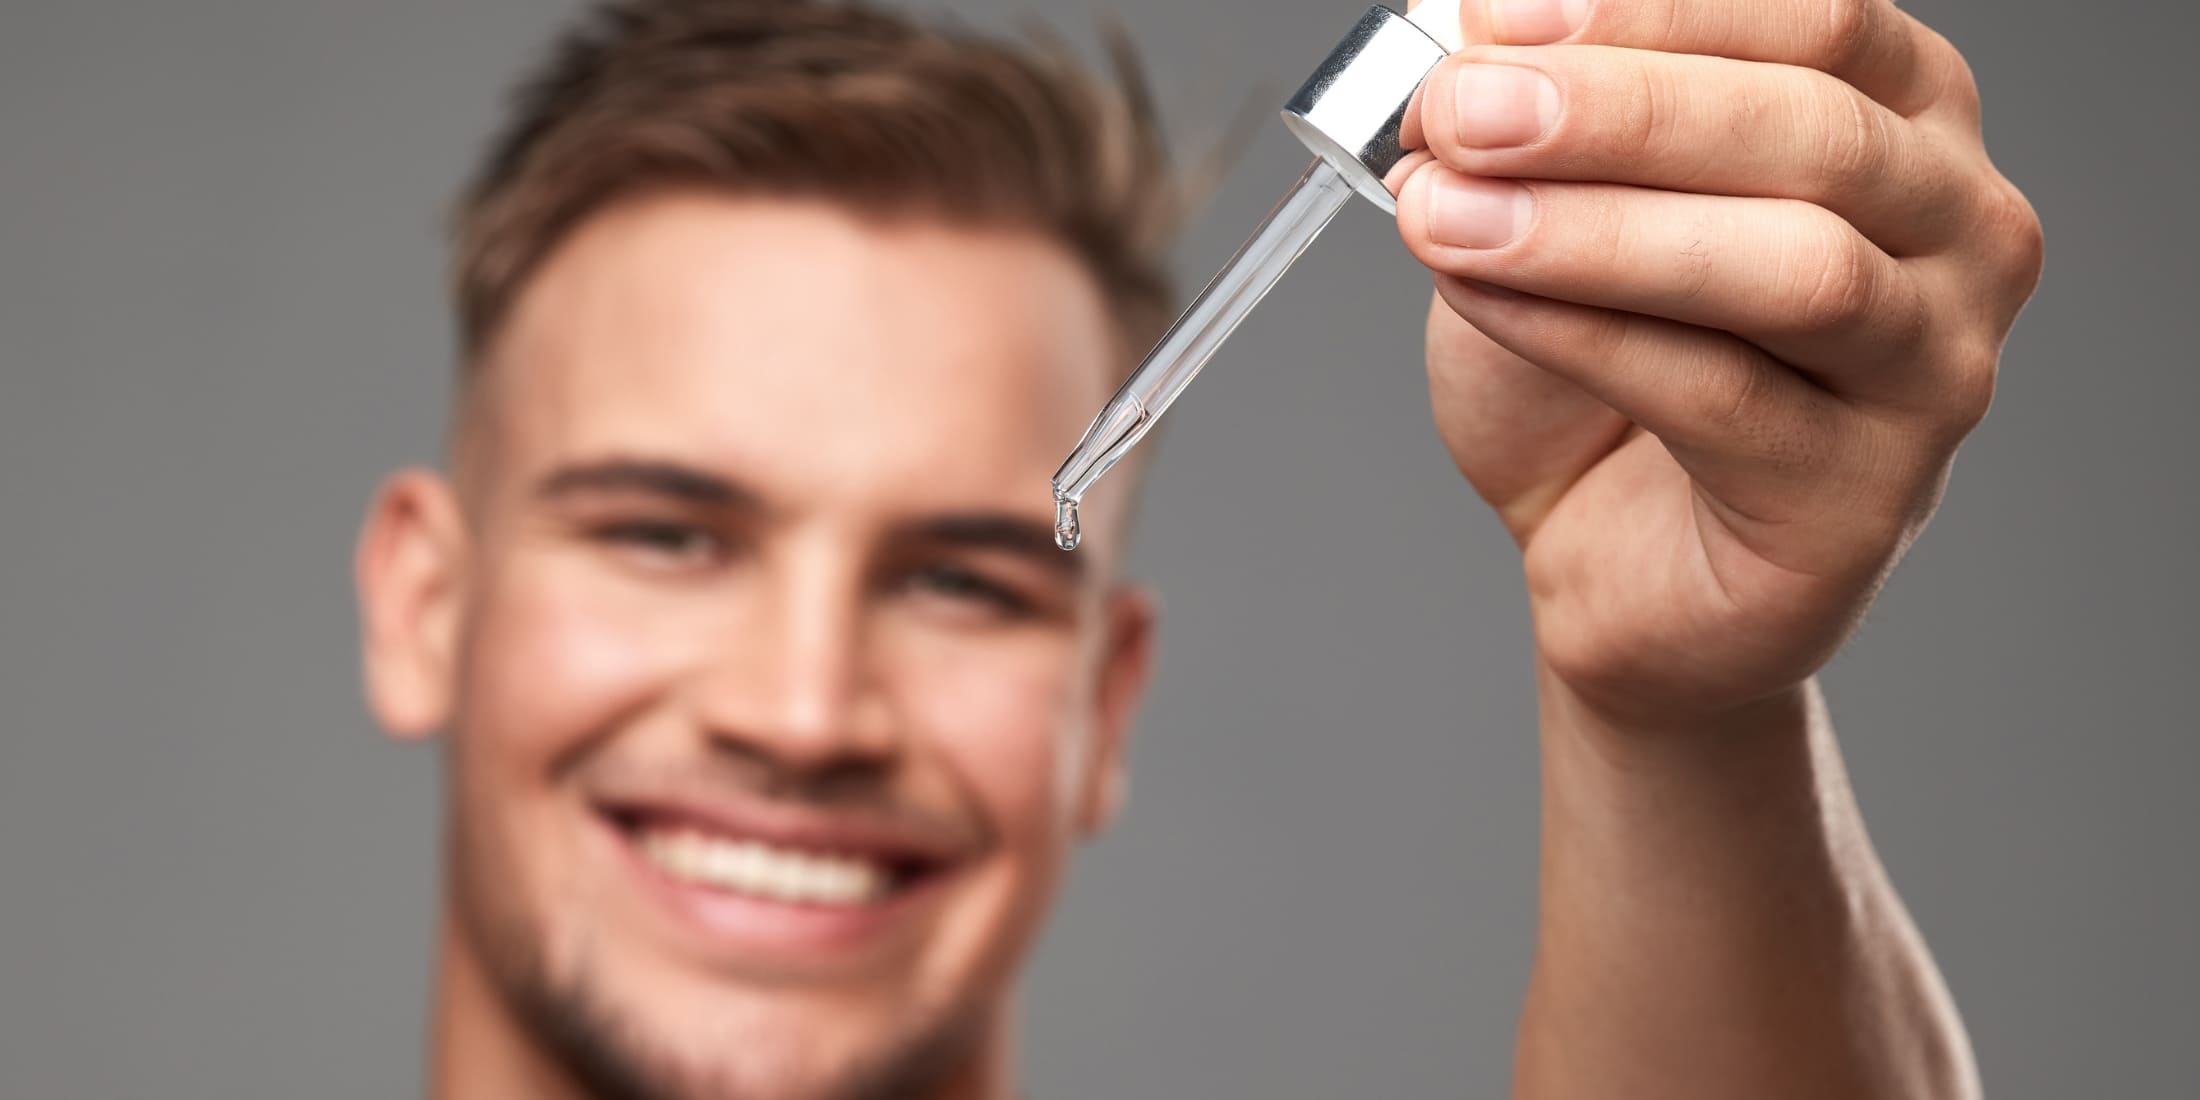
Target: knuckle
[(1837, 287), (1970, 378), (1644, 137), (1956, 87), (1936, 180), (1856, 144), (2013, 223), (1905, 318), (1841, 41), (1730, 400), (1664, 24), (1742, 401)]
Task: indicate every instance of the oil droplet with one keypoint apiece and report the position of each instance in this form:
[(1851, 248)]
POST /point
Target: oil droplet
[(1065, 523)]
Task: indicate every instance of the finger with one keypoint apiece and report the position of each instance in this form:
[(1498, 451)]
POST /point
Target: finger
[(1748, 430), (1688, 123), (1871, 44), (1787, 276)]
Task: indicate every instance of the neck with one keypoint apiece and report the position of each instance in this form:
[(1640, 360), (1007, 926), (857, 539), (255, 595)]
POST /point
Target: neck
[(481, 1051)]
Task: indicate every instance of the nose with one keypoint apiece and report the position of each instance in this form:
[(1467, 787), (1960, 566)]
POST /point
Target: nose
[(790, 686)]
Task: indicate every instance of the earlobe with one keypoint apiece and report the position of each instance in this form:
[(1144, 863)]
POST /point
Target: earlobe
[(1126, 669), (409, 569)]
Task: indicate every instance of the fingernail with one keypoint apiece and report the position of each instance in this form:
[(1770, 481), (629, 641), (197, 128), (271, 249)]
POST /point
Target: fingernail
[(1469, 212), (1529, 22), (1503, 105)]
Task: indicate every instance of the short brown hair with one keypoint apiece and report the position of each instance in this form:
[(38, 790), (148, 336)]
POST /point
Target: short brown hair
[(837, 100)]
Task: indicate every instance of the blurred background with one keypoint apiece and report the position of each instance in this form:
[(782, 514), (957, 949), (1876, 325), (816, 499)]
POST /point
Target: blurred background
[(222, 318)]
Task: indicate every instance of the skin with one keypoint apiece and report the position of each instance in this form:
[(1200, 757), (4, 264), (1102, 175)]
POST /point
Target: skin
[(1721, 286), (712, 543)]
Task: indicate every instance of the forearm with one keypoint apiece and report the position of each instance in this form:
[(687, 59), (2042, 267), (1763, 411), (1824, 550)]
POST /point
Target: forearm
[(1714, 922)]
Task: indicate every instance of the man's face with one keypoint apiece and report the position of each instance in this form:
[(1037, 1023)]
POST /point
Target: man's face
[(773, 711)]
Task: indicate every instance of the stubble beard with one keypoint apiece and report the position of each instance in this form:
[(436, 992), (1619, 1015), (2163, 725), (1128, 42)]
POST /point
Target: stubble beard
[(606, 1048)]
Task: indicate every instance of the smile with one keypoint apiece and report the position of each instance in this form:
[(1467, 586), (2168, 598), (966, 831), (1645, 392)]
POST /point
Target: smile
[(764, 871), (779, 889)]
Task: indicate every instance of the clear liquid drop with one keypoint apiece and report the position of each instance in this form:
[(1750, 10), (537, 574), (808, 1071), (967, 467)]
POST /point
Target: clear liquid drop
[(1065, 523)]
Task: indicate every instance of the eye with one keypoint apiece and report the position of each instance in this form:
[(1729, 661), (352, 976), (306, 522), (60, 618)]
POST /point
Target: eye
[(964, 586), (664, 542)]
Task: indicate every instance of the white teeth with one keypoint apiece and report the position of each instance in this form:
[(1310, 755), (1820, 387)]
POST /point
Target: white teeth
[(761, 870)]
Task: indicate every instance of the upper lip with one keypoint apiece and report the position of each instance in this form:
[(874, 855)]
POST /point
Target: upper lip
[(899, 842)]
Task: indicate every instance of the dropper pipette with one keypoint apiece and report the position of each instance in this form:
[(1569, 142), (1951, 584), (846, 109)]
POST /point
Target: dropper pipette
[(1348, 113)]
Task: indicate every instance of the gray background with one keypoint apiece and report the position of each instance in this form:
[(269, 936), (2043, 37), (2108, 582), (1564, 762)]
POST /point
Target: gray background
[(221, 318)]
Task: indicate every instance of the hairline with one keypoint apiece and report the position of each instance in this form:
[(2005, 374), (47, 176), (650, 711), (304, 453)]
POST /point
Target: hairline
[(469, 401)]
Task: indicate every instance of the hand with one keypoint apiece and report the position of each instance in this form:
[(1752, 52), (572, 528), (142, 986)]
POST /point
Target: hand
[(1721, 285)]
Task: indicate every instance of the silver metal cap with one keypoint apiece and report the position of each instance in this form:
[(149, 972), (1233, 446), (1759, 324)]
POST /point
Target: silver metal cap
[(1349, 111)]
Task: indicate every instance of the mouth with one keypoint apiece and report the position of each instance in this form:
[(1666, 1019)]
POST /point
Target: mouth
[(787, 889), (768, 872)]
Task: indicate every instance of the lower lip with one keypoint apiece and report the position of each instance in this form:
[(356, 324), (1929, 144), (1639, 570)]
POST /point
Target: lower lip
[(782, 933)]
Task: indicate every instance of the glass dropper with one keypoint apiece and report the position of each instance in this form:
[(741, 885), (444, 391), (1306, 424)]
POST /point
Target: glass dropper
[(1172, 364), (1348, 113)]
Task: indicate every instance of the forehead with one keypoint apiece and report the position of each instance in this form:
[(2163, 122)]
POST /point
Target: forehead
[(823, 358)]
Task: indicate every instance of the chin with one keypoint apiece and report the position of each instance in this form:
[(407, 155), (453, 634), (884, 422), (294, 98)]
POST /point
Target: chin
[(625, 1026)]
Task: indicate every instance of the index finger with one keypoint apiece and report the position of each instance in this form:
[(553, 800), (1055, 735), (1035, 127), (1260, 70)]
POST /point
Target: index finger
[(1874, 46)]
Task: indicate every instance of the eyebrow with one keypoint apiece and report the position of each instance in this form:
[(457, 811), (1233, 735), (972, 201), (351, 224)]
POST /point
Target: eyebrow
[(1029, 539), (658, 478)]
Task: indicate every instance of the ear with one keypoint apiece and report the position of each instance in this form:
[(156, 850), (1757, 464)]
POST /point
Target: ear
[(1126, 667), (409, 567)]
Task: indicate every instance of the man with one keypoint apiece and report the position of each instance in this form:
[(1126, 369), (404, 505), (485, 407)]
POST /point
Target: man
[(771, 714)]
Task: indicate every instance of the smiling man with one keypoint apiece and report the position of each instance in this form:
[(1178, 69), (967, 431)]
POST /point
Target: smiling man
[(771, 714), (773, 711)]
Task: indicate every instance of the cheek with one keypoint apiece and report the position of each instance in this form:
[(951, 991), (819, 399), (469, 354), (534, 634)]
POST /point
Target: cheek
[(551, 664), (1002, 715), (552, 660)]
